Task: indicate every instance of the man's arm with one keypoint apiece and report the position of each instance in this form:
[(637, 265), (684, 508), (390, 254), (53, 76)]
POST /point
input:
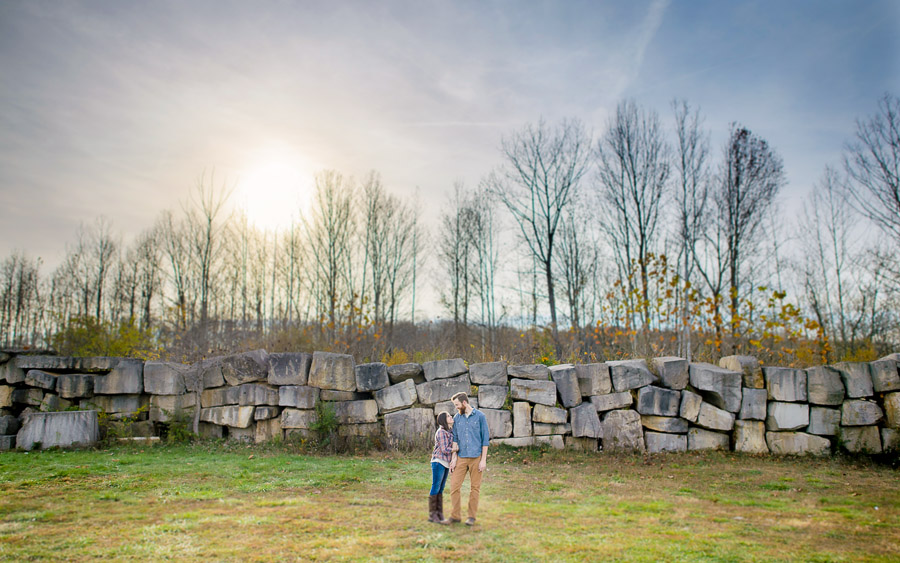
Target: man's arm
[(485, 441)]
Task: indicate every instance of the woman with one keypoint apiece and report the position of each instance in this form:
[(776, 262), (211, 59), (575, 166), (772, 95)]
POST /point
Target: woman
[(440, 466)]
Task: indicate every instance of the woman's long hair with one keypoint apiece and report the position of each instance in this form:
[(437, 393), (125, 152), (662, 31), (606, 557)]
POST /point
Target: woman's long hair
[(442, 421)]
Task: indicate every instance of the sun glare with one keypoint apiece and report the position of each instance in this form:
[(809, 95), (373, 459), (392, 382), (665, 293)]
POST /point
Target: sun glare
[(273, 193)]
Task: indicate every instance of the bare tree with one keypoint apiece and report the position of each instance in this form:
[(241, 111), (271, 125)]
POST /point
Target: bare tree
[(455, 254), (537, 183), (577, 259)]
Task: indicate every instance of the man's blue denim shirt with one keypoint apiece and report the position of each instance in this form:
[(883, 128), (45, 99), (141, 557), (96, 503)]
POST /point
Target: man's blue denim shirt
[(471, 433)]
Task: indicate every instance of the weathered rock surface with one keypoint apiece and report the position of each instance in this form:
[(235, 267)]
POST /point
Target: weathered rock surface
[(543, 429), (538, 372), (667, 424), (824, 386), (549, 415), (29, 396), (556, 442), (490, 373), (612, 401), (753, 404), (7, 443), (334, 395), (714, 418), (824, 421), (6, 396), (371, 377), (541, 392), (492, 396), (857, 379), (266, 412), (750, 437), (526, 442), (394, 397), (718, 386), (369, 430), (206, 372), (298, 396), (248, 367), (167, 408), (585, 422), (252, 394), (860, 413), (164, 378), (658, 401), (621, 430), (786, 416), (244, 435), (861, 439), (630, 374), (288, 368), (62, 429), (797, 443), (52, 363), (700, 439), (297, 418), (885, 375), (332, 371), (402, 372), (11, 373), (444, 369), (118, 404), (237, 417), (356, 412), (410, 427), (786, 384), (593, 379), (690, 406), (267, 429), (566, 379), (890, 439), (40, 379), (499, 422), (672, 371), (442, 389), (581, 444), (521, 415), (891, 410), (50, 403), (658, 442), (127, 378), (748, 367), (75, 385), (8, 425)]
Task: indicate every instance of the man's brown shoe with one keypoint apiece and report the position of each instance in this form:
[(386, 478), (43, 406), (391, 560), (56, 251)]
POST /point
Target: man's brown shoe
[(450, 521), (470, 521)]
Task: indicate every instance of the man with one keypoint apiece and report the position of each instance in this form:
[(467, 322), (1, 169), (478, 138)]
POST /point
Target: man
[(471, 436)]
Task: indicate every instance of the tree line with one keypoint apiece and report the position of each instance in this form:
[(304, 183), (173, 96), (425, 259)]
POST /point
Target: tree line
[(641, 240)]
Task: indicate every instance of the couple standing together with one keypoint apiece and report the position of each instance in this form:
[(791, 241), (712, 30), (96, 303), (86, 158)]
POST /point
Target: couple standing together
[(460, 448)]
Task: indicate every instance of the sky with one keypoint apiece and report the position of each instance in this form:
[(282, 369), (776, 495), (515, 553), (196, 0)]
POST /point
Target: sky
[(120, 108)]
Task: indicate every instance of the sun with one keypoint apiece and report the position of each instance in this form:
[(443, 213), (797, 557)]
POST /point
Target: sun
[(273, 191)]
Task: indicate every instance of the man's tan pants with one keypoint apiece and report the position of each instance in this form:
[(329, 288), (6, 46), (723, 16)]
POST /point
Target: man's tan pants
[(465, 465)]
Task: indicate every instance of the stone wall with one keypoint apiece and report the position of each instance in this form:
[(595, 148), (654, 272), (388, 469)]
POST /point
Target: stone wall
[(663, 405)]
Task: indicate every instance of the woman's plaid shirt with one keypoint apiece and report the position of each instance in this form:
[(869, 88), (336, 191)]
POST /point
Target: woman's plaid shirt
[(443, 442)]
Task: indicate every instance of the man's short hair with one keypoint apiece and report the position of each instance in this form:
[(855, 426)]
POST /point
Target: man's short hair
[(462, 397)]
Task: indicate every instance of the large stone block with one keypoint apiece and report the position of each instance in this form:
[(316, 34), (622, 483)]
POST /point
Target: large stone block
[(824, 421), (581, 444), (59, 429), (332, 371), (492, 396), (371, 377), (75, 385), (672, 371), (216, 397), (593, 379), (786, 384), (718, 386), (525, 442), (490, 373), (890, 439), (753, 404), (797, 443), (8, 425), (566, 380), (786, 416), (298, 396), (40, 379), (585, 422), (891, 409), (860, 439), (749, 368), (439, 390), (43, 362), (410, 427), (394, 397), (533, 391), (537, 372), (658, 442), (860, 413), (252, 394), (620, 430), (334, 395), (543, 429), (245, 368), (30, 396), (630, 374), (244, 435), (700, 439), (127, 378), (857, 379), (714, 418), (50, 403), (667, 424), (298, 418), (824, 386), (499, 422), (118, 404), (690, 406), (164, 378), (7, 443), (402, 372), (549, 415), (885, 375), (168, 408), (555, 442), (11, 373), (6, 396), (288, 368), (750, 437), (356, 412), (268, 430), (658, 401), (612, 401), (368, 430), (521, 419), (266, 412), (444, 369), (208, 372), (234, 416)]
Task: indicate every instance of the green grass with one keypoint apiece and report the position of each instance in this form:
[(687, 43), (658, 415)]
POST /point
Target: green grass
[(224, 502)]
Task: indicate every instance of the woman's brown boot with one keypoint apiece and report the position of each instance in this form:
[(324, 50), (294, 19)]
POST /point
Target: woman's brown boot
[(432, 508)]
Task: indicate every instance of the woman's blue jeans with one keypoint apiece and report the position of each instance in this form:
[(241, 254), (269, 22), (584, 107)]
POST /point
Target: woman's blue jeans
[(438, 478)]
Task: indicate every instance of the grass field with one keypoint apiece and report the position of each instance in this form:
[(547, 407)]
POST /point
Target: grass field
[(215, 502)]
